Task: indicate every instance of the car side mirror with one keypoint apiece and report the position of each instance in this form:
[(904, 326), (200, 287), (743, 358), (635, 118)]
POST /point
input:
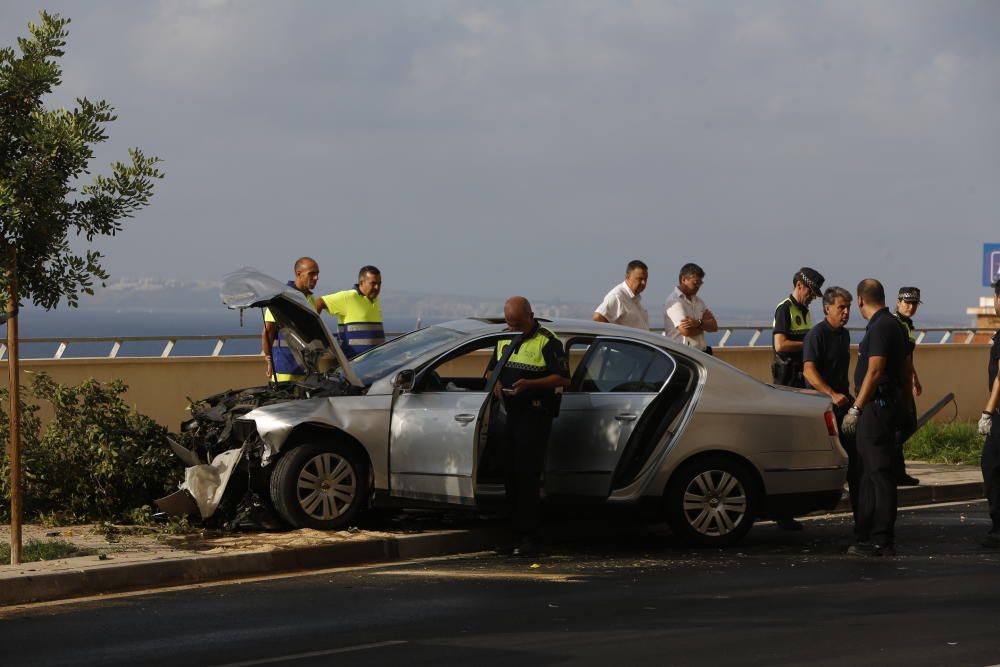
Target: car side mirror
[(403, 380)]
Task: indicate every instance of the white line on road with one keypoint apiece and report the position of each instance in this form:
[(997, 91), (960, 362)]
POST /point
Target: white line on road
[(312, 654)]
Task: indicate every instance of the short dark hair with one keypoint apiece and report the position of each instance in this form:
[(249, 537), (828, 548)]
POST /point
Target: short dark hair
[(691, 269), (996, 288), (300, 263), (872, 291), (636, 264), (368, 270), (832, 293)]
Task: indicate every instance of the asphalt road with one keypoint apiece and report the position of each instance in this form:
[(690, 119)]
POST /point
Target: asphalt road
[(615, 596)]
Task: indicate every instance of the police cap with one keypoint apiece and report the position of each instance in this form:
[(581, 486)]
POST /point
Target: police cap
[(909, 294), (812, 278)]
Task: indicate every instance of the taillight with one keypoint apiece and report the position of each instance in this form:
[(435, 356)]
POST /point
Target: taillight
[(831, 423)]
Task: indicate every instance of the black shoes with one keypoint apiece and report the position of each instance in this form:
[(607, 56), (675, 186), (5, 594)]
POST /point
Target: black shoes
[(871, 550), (907, 480), (526, 548), (788, 523)]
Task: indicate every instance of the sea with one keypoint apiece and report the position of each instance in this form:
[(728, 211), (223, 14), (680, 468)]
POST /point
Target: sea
[(163, 325)]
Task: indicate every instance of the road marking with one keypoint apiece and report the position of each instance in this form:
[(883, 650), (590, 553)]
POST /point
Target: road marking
[(13, 610), (457, 574), (313, 654)]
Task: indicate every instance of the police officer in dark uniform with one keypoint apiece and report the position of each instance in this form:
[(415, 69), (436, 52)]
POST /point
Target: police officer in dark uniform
[(906, 307), (792, 322), (826, 355), (881, 379), (531, 378), (989, 425)]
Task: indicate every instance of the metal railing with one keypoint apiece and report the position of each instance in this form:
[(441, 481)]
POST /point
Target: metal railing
[(929, 336)]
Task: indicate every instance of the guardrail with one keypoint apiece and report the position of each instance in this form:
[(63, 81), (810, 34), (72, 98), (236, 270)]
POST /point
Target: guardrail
[(721, 338)]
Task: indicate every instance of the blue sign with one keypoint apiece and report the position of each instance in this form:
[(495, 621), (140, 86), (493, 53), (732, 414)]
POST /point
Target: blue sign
[(991, 263)]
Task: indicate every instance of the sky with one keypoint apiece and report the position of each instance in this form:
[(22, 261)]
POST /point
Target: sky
[(493, 148)]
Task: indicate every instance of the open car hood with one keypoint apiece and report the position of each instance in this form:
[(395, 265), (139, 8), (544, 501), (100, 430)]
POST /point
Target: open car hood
[(311, 343)]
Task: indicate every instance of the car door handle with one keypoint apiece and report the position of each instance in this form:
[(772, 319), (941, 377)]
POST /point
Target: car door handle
[(626, 417), (464, 418)]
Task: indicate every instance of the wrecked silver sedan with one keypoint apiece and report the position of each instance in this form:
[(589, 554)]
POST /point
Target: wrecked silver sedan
[(672, 432)]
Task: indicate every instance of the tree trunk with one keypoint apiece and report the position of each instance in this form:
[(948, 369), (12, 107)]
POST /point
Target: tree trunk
[(14, 390)]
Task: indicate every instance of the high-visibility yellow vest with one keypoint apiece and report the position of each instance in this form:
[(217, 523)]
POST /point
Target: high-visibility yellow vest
[(530, 356), (801, 319), (283, 361), (360, 318)]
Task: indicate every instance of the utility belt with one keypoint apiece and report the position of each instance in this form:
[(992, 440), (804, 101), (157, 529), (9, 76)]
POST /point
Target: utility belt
[(787, 371), (550, 404)]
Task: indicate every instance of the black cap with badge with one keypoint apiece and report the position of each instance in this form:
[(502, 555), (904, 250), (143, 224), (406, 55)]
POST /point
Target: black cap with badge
[(812, 279), (909, 295)]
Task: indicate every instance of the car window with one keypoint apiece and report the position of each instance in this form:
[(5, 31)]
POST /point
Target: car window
[(464, 370), (393, 355), (620, 366)]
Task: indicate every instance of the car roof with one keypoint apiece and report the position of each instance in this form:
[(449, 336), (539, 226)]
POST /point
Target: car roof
[(565, 326)]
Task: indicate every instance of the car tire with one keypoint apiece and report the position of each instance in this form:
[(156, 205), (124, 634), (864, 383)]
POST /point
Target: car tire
[(320, 485), (712, 501)]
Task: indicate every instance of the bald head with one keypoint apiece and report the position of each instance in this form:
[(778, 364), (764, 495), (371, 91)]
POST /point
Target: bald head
[(872, 291), (517, 313), (306, 273)]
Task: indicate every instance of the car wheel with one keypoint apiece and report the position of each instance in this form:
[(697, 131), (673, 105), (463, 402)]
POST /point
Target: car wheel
[(712, 501), (320, 485)]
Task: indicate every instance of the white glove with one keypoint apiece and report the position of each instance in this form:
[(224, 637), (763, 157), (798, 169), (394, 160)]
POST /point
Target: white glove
[(849, 425), (985, 423)]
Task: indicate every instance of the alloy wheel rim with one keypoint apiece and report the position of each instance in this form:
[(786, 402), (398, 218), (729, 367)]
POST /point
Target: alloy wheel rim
[(715, 503), (326, 486)]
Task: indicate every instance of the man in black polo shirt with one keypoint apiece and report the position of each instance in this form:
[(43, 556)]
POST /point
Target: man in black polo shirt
[(882, 378), (989, 426), (827, 356)]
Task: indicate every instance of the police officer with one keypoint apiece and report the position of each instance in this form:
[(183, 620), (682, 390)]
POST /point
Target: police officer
[(989, 425), (530, 382), (359, 312), (281, 364), (791, 324), (882, 379), (826, 355), (906, 307)]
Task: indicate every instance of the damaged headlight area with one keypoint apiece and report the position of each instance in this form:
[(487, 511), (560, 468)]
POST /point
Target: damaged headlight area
[(226, 482)]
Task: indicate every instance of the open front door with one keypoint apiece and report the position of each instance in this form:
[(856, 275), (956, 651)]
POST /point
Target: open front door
[(438, 426)]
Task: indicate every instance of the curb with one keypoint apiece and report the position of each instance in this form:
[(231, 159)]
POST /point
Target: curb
[(203, 569), (928, 495)]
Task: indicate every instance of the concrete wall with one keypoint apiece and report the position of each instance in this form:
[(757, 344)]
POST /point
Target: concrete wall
[(160, 387), (960, 369)]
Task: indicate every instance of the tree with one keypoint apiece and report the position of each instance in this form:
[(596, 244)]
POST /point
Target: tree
[(44, 157)]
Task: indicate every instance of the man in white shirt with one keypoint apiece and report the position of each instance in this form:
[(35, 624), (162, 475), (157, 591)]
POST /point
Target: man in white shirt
[(623, 304), (686, 318)]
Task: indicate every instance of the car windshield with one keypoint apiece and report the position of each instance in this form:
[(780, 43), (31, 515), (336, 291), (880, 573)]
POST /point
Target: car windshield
[(394, 355)]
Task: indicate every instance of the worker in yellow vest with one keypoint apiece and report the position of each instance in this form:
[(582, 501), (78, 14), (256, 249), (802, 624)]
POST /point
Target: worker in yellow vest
[(359, 313), (281, 364), (530, 380)]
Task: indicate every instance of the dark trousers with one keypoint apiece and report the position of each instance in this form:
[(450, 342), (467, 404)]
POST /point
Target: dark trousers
[(877, 501), (907, 426), (853, 459), (527, 437), (991, 470)]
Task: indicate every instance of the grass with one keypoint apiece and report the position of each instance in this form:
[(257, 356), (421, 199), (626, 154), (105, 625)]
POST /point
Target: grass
[(36, 550), (953, 443)]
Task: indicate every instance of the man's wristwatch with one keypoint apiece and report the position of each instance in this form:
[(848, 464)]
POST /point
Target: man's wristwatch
[(855, 410)]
